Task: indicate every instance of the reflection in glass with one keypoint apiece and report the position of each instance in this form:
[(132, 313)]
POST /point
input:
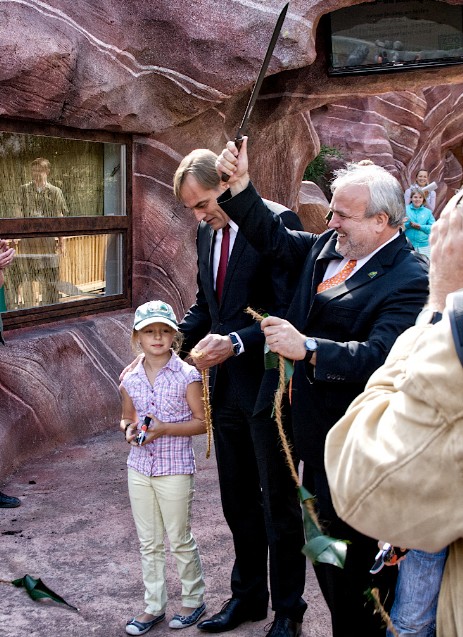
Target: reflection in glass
[(60, 270), (89, 176), (389, 34)]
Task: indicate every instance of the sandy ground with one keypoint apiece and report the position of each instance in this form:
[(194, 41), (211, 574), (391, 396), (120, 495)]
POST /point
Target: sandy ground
[(74, 529)]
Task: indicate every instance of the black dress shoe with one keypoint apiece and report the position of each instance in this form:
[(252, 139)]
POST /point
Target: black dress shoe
[(284, 627), (233, 613), (8, 502)]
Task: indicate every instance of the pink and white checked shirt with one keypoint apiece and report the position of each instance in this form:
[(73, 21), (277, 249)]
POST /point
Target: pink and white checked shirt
[(166, 399)]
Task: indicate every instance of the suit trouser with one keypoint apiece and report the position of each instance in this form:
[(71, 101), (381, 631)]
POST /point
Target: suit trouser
[(344, 589), (260, 505), (162, 504)]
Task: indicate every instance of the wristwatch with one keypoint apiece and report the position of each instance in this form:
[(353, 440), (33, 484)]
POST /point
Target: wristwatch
[(428, 316), (235, 344), (311, 346)]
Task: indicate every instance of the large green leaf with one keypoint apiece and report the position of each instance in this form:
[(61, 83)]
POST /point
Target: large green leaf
[(38, 590), (320, 548)]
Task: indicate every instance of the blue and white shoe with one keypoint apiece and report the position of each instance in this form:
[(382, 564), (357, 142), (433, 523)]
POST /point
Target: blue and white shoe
[(183, 621), (134, 627)]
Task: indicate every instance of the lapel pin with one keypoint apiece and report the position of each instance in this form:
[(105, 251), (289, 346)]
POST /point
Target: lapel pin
[(372, 274)]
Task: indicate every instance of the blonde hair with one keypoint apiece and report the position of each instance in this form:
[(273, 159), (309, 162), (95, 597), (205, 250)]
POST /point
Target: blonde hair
[(176, 343)]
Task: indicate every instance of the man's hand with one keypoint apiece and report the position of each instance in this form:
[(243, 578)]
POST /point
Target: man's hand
[(235, 165), (283, 338), (212, 350), (446, 269), (131, 367)]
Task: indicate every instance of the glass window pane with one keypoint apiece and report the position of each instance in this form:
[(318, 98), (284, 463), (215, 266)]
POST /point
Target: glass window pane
[(49, 270), (54, 177), (393, 34)]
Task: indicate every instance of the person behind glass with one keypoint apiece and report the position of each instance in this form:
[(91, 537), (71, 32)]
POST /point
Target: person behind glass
[(421, 181), (39, 198), (360, 286), (394, 461), (418, 222), (6, 257), (161, 468)]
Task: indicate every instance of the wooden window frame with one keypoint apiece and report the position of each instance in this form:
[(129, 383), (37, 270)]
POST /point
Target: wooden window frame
[(15, 228)]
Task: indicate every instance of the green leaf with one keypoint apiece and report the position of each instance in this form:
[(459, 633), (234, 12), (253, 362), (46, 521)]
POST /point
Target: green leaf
[(326, 550), (38, 590), (320, 548), (271, 361)]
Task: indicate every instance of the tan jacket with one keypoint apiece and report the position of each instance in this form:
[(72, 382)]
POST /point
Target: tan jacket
[(395, 460)]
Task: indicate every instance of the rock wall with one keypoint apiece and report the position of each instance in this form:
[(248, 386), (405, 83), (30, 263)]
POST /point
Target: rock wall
[(177, 75), (403, 132)]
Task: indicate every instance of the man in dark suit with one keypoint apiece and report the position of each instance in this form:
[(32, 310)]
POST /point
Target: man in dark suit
[(258, 497), (361, 285)]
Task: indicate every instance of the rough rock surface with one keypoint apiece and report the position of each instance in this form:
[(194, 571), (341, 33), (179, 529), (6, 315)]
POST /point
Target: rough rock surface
[(403, 132), (177, 75)]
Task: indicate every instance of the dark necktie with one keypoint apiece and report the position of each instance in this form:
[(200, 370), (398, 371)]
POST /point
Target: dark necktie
[(222, 269)]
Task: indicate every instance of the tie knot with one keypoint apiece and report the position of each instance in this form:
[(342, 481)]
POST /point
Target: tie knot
[(226, 229)]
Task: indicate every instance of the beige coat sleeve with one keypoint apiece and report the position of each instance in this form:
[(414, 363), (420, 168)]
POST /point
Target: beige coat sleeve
[(395, 461)]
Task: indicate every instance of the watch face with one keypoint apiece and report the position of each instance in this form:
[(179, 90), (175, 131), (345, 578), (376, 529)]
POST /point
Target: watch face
[(311, 344)]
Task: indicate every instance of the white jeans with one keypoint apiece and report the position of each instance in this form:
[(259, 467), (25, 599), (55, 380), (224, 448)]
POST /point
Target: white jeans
[(162, 504)]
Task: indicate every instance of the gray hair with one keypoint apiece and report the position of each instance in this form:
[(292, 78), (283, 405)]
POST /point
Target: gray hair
[(386, 193)]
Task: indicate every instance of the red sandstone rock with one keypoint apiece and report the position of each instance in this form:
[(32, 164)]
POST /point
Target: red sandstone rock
[(313, 207), (177, 75)]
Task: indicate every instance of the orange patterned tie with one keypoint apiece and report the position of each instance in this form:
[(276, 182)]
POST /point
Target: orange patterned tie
[(339, 277)]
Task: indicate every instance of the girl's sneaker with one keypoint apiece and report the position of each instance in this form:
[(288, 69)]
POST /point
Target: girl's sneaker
[(183, 621), (134, 627)]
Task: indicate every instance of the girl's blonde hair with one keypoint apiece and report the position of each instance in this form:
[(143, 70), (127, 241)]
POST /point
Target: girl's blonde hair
[(176, 343)]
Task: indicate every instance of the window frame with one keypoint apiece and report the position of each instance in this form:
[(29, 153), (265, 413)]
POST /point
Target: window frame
[(389, 67), (15, 228)]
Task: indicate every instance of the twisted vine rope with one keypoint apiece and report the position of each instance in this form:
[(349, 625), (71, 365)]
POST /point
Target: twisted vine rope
[(309, 504), (374, 592), (206, 401)]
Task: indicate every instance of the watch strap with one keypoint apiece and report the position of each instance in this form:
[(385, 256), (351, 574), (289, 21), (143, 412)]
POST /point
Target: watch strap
[(235, 343)]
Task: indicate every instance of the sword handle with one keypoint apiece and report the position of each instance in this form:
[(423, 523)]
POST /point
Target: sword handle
[(238, 143)]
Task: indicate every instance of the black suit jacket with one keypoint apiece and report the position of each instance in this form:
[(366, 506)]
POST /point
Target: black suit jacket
[(251, 280), (355, 323)]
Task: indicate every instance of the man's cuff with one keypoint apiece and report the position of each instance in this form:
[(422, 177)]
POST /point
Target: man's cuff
[(238, 347)]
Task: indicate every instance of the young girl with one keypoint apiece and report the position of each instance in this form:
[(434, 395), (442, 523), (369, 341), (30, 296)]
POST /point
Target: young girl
[(161, 468), (421, 181), (418, 223)]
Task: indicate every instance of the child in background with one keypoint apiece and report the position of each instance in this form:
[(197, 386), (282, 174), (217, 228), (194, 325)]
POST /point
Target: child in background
[(418, 223), (161, 469), (421, 181)]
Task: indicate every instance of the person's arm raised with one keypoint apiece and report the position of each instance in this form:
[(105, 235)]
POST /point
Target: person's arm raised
[(234, 163)]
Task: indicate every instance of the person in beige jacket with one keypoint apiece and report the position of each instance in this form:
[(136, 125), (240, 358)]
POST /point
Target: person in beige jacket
[(395, 460)]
